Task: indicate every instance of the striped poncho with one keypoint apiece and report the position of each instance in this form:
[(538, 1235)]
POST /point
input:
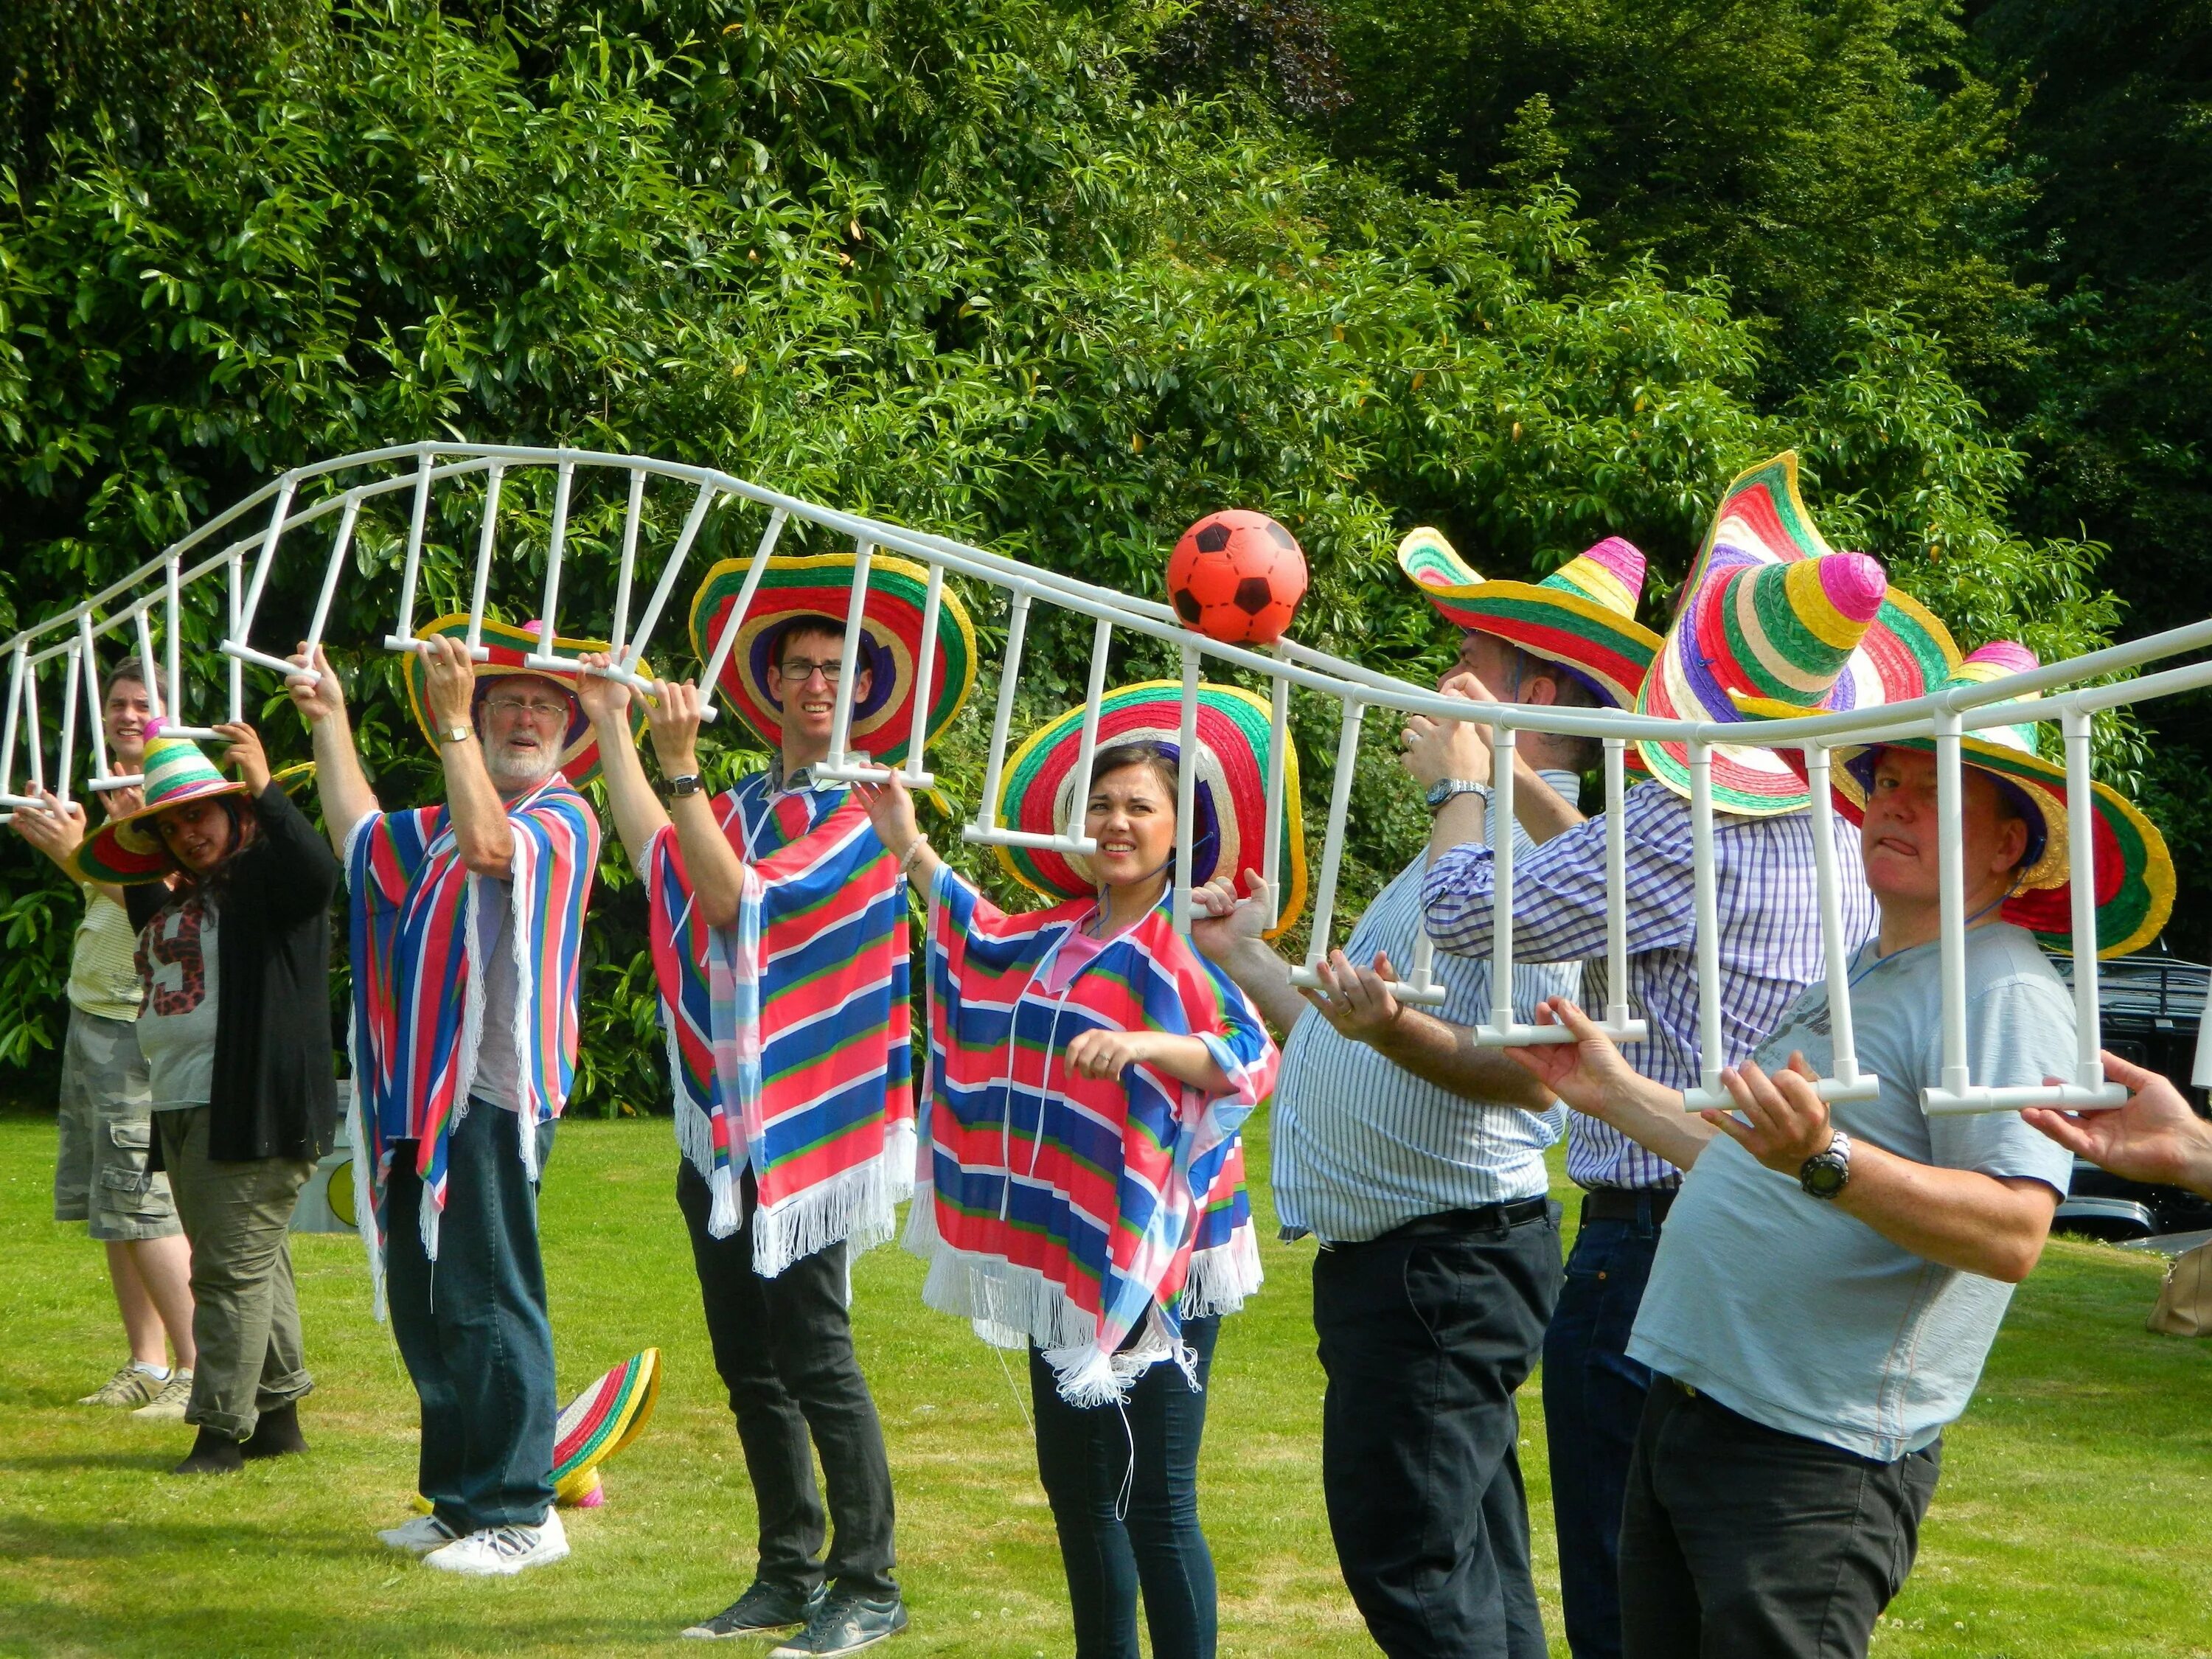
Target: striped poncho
[(1070, 1212), (789, 1032), (418, 985)]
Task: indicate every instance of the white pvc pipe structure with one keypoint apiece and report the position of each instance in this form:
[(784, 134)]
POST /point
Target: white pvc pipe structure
[(842, 766), (1332, 845), (1186, 788), (915, 775), (1710, 1092), (1844, 1081)]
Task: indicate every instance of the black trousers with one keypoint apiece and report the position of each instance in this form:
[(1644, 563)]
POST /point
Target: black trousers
[(1740, 1541), (1424, 1340), (784, 1347)]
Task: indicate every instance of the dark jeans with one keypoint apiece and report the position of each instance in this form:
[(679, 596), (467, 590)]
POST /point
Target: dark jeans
[(472, 1324), (784, 1347), (1594, 1397), (1424, 1340), (1741, 1541), (1122, 1482)]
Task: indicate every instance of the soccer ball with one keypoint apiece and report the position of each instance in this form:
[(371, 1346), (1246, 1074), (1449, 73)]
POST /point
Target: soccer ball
[(1236, 577)]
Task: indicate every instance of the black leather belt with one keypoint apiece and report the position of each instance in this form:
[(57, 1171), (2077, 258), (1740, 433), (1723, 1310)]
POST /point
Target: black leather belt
[(1483, 1219), (1622, 1203)]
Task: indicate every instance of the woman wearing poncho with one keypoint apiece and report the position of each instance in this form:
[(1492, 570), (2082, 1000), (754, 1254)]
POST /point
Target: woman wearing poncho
[(1088, 1073), (236, 960)]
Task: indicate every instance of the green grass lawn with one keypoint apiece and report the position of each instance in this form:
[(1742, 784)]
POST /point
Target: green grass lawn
[(2075, 1500)]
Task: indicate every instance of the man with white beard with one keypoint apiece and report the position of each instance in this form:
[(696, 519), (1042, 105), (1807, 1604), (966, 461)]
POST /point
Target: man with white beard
[(467, 919)]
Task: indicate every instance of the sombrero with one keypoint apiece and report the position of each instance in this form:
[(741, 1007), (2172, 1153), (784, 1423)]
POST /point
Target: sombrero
[(2134, 871), (580, 749), (1037, 793), (128, 850), (1583, 615), (1771, 612), (821, 584), (599, 1423)]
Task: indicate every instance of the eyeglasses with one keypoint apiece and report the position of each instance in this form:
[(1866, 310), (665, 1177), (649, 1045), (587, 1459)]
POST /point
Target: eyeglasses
[(536, 708), (799, 671)]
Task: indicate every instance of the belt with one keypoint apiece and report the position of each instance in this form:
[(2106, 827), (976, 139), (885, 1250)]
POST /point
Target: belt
[(1483, 1218), (1628, 1203)]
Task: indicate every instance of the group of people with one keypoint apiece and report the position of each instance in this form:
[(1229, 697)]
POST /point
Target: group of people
[(1769, 1314)]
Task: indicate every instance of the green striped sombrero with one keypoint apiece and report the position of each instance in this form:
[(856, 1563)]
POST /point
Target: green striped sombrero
[(599, 1423), (1771, 612), (1037, 792), (821, 585), (2134, 871), (1583, 615), (129, 851)]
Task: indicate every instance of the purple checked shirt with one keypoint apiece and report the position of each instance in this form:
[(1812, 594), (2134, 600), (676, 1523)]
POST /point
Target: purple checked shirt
[(1770, 929)]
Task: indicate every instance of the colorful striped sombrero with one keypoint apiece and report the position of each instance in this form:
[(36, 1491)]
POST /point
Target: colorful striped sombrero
[(599, 1423), (509, 644), (1771, 612), (128, 851), (1583, 615), (821, 584), (1037, 793), (2134, 870)]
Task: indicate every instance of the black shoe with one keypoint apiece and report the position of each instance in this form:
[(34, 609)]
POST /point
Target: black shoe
[(275, 1433), (762, 1609), (212, 1453), (845, 1623)]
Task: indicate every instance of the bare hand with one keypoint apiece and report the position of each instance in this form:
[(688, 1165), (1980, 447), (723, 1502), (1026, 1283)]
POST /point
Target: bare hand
[(449, 683), (890, 809), (1221, 923), (326, 698), (247, 754), (673, 716), (1789, 1121), (56, 828), (2155, 1137), (606, 702), (1102, 1053), (1436, 750), (122, 803), (1356, 1000), (1589, 1073)]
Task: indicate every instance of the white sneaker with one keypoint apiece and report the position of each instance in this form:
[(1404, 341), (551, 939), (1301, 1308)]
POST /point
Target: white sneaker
[(169, 1406), (501, 1552), (420, 1536)]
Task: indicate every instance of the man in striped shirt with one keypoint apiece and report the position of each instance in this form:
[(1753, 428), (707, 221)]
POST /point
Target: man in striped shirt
[(1418, 1159)]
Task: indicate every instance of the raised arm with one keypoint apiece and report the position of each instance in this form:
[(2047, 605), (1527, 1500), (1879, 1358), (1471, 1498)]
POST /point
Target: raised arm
[(339, 781), (1590, 1075), (57, 829), (481, 830), (1229, 931), (717, 873), (639, 815), (890, 809)]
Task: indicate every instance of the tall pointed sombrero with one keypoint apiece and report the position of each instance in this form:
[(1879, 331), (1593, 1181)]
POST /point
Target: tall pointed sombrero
[(599, 1422), (2134, 870), (1583, 615), (509, 644), (1037, 792), (821, 584), (128, 850), (1771, 612)]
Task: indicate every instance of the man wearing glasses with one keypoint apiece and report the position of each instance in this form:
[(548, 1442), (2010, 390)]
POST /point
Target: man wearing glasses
[(467, 921)]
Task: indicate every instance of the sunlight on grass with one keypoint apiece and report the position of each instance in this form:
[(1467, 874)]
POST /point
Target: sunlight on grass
[(2069, 1523)]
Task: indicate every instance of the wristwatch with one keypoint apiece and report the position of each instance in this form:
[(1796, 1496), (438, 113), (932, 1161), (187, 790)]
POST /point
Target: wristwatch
[(457, 734), (1823, 1175), (1444, 789), (688, 784)]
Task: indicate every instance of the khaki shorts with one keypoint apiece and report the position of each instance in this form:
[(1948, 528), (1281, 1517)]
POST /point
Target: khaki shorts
[(106, 1130)]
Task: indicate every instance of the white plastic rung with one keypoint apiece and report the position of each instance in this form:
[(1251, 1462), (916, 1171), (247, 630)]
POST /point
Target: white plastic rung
[(2068, 1097), (1081, 845)]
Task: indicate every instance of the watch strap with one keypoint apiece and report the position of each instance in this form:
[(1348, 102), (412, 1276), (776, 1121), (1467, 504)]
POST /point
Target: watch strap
[(688, 784)]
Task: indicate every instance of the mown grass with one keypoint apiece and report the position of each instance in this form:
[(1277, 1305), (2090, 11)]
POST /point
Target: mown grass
[(2070, 1521)]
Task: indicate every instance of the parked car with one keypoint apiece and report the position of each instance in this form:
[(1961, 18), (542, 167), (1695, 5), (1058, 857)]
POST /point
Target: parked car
[(2150, 1007)]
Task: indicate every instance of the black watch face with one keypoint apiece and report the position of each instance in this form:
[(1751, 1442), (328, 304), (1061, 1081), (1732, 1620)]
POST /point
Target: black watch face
[(1823, 1177)]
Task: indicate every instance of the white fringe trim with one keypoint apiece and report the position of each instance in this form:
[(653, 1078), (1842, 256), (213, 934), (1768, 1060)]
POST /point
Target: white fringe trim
[(858, 1205), (1011, 1307), (364, 1202), (1221, 1277)]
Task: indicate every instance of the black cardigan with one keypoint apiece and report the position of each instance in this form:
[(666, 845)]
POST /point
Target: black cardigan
[(273, 1093)]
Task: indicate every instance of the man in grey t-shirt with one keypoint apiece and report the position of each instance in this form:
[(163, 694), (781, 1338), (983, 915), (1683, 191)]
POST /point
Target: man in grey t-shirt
[(1829, 1284)]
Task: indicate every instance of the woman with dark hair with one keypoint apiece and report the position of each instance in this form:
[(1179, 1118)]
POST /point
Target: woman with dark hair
[(1088, 1073), (234, 954)]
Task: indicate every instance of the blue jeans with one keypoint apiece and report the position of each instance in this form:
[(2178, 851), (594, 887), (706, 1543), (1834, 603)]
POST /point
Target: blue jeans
[(472, 1324), (1123, 1485), (1594, 1397)]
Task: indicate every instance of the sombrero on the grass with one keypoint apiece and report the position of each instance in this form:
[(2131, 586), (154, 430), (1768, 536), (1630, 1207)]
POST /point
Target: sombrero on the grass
[(2134, 870), (1038, 791), (509, 644), (1583, 615), (128, 850), (599, 1423), (1771, 612), (821, 585)]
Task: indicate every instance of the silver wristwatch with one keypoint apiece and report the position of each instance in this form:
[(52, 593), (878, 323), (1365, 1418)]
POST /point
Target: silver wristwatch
[(688, 784), (1444, 789)]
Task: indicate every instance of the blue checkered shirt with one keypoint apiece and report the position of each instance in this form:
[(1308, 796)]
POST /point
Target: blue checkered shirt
[(1770, 929)]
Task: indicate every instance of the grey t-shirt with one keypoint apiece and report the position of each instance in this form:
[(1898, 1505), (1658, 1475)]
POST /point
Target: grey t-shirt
[(499, 1071), (1800, 1316), (176, 1023)]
